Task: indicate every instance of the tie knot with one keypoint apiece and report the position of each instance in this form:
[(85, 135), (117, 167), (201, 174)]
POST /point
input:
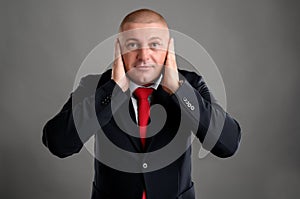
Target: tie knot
[(143, 93)]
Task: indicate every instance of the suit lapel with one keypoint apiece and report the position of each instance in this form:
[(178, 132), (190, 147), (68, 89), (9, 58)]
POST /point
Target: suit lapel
[(135, 140), (158, 127), (127, 123)]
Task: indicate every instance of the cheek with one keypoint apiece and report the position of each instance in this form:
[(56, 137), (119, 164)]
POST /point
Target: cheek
[(160, 57), (129, 59)]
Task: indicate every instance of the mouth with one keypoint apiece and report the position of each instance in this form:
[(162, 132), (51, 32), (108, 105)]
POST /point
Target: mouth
[(143, 67)]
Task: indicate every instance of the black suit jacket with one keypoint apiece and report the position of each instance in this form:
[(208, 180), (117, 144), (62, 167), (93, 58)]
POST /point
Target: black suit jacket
[(99, 100)]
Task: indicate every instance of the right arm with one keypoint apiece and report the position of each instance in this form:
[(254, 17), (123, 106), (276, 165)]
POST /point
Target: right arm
[(66, 132)]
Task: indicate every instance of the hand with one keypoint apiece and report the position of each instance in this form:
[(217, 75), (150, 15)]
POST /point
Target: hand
[(118, 70), (170, 82)]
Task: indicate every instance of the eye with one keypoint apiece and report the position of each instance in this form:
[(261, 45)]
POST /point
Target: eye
[(132, 46), (154, 45)]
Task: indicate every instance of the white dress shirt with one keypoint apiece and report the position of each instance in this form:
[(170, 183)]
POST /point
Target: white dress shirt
[(133, 86)]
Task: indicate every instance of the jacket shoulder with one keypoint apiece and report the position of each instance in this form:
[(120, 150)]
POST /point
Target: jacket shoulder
[(192, 77), (95, 79)]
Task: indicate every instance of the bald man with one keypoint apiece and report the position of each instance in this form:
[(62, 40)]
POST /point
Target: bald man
[(142, 151)]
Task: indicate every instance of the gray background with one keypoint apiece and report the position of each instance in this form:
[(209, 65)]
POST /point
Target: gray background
[(254, 43)]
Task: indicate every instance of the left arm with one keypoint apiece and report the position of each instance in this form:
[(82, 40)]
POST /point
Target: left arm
[(216, 129)]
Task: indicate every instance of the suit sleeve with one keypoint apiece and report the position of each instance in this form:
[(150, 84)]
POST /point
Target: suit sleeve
[(76, 122), (216, 129)]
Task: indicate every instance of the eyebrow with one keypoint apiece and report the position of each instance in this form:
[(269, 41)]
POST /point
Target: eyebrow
[(152, 38), (131, 39)]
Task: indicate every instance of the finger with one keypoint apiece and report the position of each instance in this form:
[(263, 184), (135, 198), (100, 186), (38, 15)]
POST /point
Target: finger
[(171, 46), (171, 53), (171, 59), (117, 49)]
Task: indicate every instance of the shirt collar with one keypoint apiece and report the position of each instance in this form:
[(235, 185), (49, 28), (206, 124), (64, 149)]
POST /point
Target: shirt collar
[(133, 86)]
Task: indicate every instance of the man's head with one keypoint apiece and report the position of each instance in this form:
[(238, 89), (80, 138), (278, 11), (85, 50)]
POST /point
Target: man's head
[(144, 39)]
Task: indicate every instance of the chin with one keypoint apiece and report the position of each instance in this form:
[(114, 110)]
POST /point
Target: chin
[(142, 80)]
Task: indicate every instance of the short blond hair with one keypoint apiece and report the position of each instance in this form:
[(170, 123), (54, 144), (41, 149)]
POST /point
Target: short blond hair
[(142, 16)]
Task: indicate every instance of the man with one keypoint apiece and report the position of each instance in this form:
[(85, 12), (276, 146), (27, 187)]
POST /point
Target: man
[(144, 74)]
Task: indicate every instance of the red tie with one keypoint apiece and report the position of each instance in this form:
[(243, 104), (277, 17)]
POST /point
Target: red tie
[(142, 95)]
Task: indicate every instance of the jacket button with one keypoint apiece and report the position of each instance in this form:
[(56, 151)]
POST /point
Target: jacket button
[(106, 100), (145, 165)]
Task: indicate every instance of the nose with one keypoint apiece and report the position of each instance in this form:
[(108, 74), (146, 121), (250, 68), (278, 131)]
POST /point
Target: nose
[(143, 54)]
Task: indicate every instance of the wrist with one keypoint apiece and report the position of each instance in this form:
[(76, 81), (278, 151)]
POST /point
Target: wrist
[(122, 83), (172, 89)]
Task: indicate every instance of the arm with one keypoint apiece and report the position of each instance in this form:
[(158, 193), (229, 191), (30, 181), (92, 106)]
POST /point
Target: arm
[(217, 130), (86, 109), (66, 132)]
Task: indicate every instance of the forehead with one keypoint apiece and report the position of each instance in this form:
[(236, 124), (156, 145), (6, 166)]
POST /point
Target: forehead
[(144, 31)]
